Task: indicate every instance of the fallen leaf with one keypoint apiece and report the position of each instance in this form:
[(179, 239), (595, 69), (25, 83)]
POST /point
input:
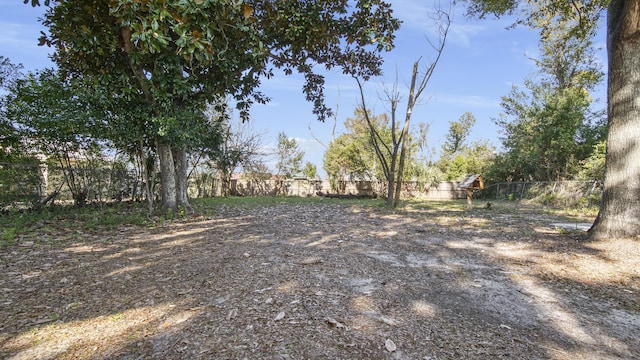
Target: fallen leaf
[(311, 261), (279, 317), (390, 345), (388, 321), (335, 323), (43, 321), (73, 305), (232, 314)]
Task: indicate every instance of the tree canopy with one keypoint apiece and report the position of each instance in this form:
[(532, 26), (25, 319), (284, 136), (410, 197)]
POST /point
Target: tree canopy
[(173, 56), (351, 155), (619, 214), (289, 156), (458, 133), (459, 157), (550, 127), (9, 138), (192, 48)]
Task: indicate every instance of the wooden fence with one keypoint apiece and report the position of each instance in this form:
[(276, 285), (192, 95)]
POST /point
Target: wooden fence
[(304, 187)]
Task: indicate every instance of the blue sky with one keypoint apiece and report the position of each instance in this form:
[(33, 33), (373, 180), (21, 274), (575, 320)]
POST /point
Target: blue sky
[(481, 61)]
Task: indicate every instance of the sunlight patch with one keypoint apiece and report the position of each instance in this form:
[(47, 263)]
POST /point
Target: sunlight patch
[(322, 241), (288, 286), (550, 309), (86, 249), (423, 308), (125, 270), (94, 337), (363, 304)]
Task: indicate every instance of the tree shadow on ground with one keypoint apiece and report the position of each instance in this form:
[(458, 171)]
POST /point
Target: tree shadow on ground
[(324, 280)]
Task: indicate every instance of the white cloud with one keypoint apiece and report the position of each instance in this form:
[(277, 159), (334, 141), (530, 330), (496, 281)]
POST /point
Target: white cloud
[(19, 43), (9, 32), (283, 82), (467, 101), (20, 35), (419, 15), (461, 34)]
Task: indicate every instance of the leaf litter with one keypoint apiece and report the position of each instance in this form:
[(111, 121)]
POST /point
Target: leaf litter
[(324, 280)]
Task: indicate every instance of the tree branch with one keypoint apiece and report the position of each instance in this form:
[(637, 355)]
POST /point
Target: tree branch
[(376, 139), (128, 47)]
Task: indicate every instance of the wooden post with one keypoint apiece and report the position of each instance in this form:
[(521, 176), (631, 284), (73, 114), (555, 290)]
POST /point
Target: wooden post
[(469, 198)]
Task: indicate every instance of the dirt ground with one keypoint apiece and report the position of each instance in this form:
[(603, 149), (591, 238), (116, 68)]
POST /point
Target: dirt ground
[(325, 280)]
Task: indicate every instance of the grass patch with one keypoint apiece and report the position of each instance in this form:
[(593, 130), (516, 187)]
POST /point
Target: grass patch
[(574, 213), (8, 237), (69, 219)]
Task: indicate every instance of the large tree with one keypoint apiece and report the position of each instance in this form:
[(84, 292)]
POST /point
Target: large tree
[(458, 133), (351, 154), (393, 156), (620, 210), (289, 156), (458, 157), (550, 127), (619, 214), (231, 144), (52, 117), (9, 137), (176, 55)]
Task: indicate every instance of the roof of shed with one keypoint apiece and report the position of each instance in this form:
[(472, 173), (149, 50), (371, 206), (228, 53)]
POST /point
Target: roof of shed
[(468, 181)]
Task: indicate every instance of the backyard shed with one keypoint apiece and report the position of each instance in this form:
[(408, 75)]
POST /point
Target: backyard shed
[(470, 183)]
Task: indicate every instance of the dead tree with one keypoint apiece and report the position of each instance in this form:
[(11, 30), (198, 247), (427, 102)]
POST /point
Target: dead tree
[(392, 156)]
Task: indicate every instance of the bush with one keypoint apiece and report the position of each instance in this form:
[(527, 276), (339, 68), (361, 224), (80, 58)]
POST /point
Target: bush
[(21, 185)]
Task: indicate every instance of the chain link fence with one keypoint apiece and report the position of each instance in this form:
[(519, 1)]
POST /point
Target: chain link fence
[(574, 194)]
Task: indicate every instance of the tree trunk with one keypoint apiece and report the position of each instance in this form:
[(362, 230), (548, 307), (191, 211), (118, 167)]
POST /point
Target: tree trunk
[(43, 184), (620, 208), (225, 188), (148, 169), (404, 136), (182, 186), (167, 177), (391, 179), (399, 178)]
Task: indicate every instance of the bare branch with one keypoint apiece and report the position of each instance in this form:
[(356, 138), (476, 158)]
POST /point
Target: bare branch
[(316, 138), (443, 19), (393, 165), (376, 138), (333, 129)]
